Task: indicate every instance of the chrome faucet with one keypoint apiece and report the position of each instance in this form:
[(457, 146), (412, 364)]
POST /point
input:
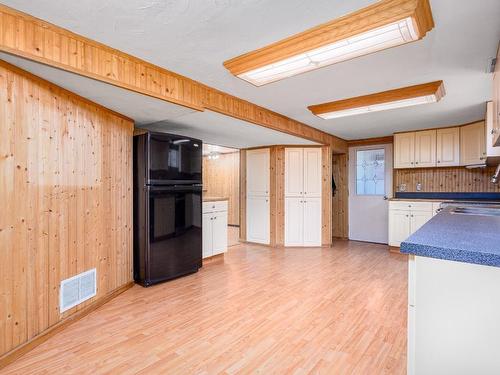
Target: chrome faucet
[(496, 176)]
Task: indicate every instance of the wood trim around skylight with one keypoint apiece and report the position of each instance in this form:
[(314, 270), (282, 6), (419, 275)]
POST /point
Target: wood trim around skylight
[(380, 14), (426, 89)]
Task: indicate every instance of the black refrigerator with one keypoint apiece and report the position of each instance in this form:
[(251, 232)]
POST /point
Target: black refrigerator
[(167, 207)]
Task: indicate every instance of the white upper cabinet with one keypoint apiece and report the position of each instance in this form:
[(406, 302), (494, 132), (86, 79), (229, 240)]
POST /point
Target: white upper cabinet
[(491, 133), (404, 150), (294, 173), (258, 172), (312, 172), (473, 144), (448, 147), (425, 148)]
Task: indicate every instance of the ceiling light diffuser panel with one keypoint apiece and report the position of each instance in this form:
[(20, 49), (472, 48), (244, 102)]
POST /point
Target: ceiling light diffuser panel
[(403, 97), (386, 24)]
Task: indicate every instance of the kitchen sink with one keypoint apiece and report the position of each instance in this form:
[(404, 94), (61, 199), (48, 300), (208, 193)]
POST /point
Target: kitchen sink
[(479, 211)]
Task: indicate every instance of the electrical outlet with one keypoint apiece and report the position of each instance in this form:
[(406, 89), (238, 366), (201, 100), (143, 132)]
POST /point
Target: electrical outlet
[(418, 186)]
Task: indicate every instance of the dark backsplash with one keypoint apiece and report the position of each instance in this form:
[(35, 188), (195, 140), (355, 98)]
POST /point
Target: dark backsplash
[(448, 196)]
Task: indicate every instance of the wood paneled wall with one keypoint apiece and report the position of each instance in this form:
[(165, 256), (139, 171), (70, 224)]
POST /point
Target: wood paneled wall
[(35, 39), (221, 178), (340, 204), (65, 188), (450, 179)]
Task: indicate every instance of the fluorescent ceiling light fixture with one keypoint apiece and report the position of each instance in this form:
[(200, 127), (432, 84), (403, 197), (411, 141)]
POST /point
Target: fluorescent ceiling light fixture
[(399, 98), (386, 24)]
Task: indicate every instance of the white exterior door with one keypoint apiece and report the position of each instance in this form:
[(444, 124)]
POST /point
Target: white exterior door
[(370, 184), (294, 223), (258, 220), (258, 172), (294, 173), (312, 221), (312, 172), (219, 225), (207, 235)]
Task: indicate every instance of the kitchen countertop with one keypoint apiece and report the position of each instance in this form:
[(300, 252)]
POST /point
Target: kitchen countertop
[(214, 199), (463, 238)]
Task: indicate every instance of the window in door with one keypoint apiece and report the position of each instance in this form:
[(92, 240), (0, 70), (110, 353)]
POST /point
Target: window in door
[(370, 172)]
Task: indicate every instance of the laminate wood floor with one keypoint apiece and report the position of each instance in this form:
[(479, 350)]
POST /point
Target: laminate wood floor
[(258, 310)]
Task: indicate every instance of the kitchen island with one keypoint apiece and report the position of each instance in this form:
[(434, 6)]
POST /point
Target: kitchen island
[(454, 294)]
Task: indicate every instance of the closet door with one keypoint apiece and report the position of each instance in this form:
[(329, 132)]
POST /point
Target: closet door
[(312, 221), (258, 172), (312, 172), (294, 228), (294, 174), (258, 220)]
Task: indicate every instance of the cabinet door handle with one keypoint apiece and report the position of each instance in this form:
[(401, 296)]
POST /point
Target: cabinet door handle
[(411, 215), (439, 161), (416, 162), (406, 215)]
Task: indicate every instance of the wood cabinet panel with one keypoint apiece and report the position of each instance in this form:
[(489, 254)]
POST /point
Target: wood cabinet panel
[(425, 148), (312, 222), (448, 147), (404, 150), (473, 144), (66, 190)]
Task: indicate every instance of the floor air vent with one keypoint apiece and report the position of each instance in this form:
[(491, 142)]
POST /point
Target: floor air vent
[(77, 289)]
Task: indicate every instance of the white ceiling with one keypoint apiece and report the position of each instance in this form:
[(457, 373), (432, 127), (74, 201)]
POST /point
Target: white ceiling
[(194, 37), (158, 115)]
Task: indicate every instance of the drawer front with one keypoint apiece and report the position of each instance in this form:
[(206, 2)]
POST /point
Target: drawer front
[(216, 206), (410, 205)]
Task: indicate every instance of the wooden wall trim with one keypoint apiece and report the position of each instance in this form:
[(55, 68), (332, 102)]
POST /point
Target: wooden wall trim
[(18, 352), (243, 195), (370, 141), (340, 210), (326, 196), (29, 37)]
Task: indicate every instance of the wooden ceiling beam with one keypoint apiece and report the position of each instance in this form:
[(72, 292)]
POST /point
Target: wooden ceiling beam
[(37, 40)]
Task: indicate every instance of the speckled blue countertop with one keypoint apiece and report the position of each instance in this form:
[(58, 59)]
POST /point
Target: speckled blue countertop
[(461, 238)]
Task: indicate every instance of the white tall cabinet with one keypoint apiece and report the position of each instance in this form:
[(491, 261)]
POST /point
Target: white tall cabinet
[(303, 196), (258, 214)]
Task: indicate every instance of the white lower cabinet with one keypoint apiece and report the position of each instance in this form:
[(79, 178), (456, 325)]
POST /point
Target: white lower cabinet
[(302, 221), (406, 217), (214, 232), (258, 214)]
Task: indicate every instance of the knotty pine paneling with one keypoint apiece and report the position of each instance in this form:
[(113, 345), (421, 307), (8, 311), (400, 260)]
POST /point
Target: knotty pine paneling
[(449, 179), (340, 201), (221, 178), (26, 36), (65, 188)]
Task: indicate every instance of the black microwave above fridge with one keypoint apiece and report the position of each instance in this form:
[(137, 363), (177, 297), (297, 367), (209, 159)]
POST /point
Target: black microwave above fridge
[(168, 159)]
